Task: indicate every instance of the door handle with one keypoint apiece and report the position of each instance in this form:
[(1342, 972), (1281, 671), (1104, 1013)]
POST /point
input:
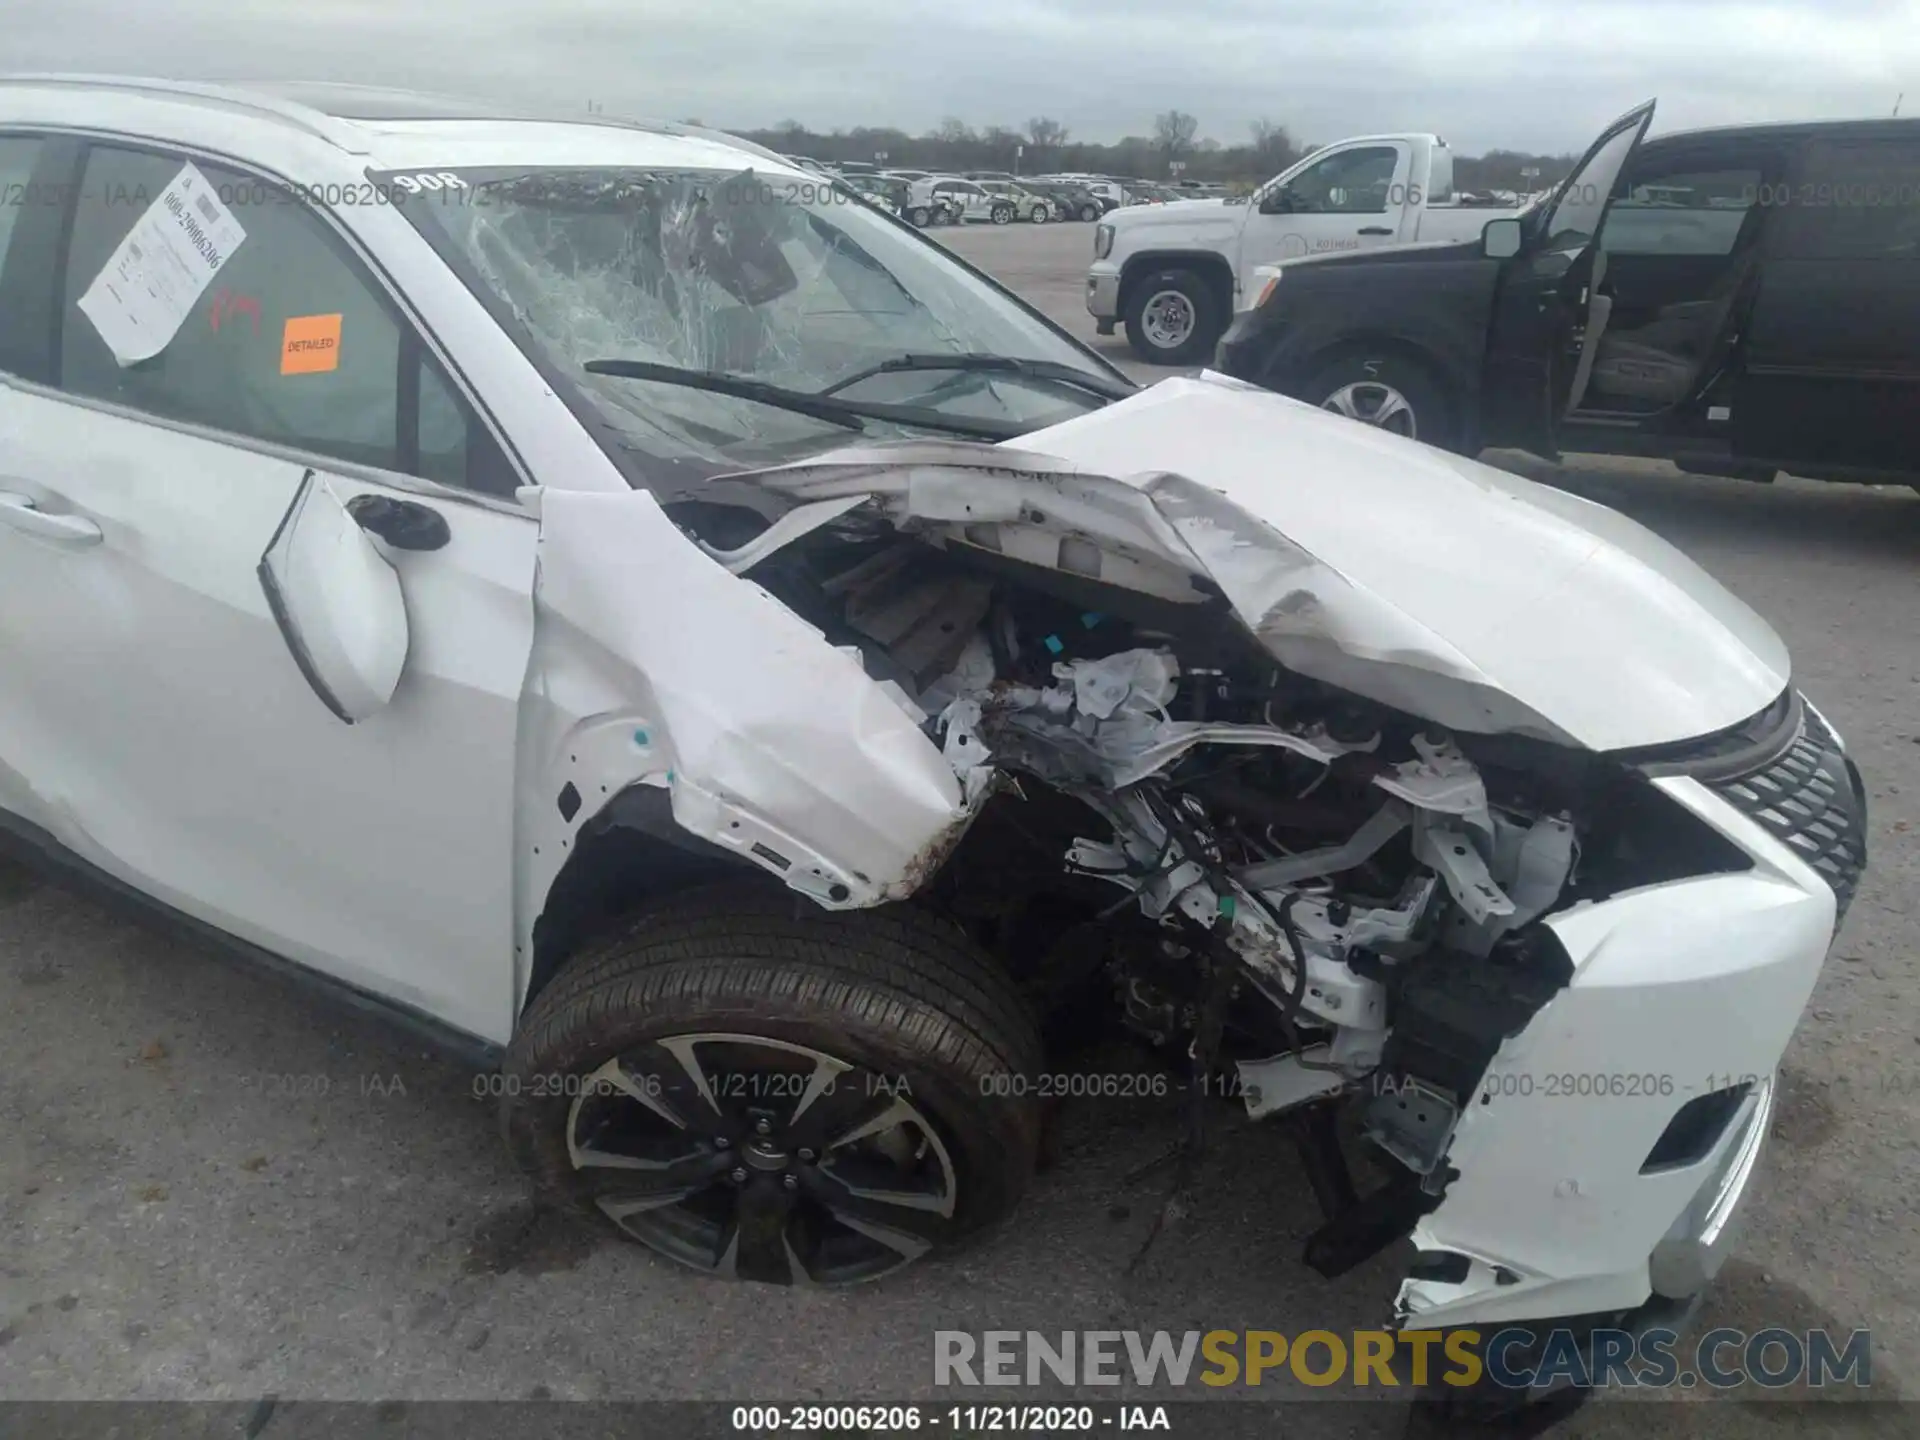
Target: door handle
[(1376, 230), (20, 511)]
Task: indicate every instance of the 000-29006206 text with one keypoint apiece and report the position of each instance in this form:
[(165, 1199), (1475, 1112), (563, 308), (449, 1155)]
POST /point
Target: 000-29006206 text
[(804, 1419)]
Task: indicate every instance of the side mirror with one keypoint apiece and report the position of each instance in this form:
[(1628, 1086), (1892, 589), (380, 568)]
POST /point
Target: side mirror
[(338, 603), (1277, 201), (1500, 240)]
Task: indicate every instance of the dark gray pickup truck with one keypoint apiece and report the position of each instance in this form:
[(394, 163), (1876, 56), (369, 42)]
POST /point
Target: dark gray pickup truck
[(1740, 301)]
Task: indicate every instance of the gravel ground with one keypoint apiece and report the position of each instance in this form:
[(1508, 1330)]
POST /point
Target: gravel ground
[(212, 1187)]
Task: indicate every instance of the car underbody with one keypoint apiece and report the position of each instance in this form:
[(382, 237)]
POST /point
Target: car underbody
[(1164, 762)]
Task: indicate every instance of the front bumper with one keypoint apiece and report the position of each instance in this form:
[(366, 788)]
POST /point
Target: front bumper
[(1697, 1244), (1103, 290), (1253, 347), (1608, 1159)]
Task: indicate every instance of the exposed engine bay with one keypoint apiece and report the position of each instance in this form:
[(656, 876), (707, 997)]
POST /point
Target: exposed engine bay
[(1301, 894)]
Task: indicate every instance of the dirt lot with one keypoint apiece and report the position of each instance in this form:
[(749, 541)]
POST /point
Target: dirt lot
[(212, 1187)]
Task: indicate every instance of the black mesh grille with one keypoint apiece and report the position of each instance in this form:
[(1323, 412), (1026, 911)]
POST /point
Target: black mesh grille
[(1810, 798)]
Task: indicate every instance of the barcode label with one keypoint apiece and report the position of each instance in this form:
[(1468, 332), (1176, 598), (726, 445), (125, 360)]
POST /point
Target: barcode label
[(204, 204)]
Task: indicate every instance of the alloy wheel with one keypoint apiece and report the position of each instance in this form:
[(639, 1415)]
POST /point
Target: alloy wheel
[(1374, 403), (755, 1159)]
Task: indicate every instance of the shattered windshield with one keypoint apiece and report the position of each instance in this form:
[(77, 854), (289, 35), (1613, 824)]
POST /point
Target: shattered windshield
[(787, 282)]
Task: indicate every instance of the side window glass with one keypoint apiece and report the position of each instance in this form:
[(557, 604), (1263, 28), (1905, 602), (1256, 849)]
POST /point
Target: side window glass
[(443, 428), (455, 448), (289, 342), (1690, 213), (1354, 182), (17, 157), (286, 343), (1858, 201)]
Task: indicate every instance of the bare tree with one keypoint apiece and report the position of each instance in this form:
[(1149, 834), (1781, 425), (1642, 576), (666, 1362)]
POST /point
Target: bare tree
[(1273, 147), (954, 131), (1044, 134), (1173, 133), (1000, 145)]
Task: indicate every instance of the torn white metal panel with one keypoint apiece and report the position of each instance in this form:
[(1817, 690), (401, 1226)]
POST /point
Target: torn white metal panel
[(1160, 533), (1677, 990), (1318, 622), (1356, 557), (770, 740), (796, 523)]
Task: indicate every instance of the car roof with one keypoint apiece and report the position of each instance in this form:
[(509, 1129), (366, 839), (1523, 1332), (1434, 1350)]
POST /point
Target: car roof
[(1775, 131), (394, 128)]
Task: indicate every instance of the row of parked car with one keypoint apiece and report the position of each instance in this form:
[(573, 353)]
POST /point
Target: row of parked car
[(998, 197)]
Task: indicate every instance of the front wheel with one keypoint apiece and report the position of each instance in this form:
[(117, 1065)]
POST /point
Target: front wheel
[(1040, 215), (1388, 392), (1172, 318), (921, 216), (761, 1090), (1089, 212)]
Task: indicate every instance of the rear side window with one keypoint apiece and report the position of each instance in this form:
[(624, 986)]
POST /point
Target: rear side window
[(17, 190), (1853, 200), (290, 342), (1685, 213)]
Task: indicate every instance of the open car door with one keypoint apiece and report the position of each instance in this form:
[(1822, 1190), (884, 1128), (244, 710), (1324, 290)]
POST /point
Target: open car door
[(1550, 310)]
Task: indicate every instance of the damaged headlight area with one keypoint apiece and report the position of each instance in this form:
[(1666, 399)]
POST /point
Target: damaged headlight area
[(1302, 896)]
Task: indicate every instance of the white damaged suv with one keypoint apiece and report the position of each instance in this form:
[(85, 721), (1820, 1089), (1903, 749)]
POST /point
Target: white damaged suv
[(632, 607)]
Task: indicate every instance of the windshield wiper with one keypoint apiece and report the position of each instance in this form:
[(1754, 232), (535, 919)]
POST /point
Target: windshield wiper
[(848, 414), (1001, 364)]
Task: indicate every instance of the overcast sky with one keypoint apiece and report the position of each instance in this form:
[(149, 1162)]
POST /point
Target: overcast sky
[(1521, 74)]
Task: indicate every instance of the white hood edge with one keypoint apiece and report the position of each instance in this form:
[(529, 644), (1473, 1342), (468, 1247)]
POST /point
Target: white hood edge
[(1473, 598)]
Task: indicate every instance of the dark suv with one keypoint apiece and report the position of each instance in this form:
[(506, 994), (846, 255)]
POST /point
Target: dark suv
[(1752, 305)]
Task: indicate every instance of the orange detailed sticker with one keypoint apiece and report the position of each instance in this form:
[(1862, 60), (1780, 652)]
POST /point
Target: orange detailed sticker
[(310, 343)]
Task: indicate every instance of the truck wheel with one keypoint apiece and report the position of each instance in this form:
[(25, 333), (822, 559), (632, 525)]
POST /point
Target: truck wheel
[(920, 216), (762, 1090), (1172, 317), (1387, 391)]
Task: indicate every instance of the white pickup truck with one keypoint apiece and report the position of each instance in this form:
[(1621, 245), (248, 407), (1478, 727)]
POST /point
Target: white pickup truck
[(1174, 274)]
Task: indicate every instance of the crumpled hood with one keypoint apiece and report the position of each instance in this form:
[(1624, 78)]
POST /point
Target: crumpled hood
[(1588, 620), (1445, 588)]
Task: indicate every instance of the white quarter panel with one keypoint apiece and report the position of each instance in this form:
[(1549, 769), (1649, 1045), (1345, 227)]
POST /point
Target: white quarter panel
[(655, 665)]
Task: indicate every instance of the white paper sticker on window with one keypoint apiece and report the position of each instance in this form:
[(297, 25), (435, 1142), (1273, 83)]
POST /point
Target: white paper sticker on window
[(149, 286)]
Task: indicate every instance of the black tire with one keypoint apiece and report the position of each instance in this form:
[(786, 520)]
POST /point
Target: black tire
[(1144, 330), (1368, 380), (920, 216), (1002, 214), (893, 992), (1090, 212), (1039, 215)]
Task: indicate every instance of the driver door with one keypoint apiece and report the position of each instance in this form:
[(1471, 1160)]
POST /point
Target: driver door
[(265, 598), (1550, 308)]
